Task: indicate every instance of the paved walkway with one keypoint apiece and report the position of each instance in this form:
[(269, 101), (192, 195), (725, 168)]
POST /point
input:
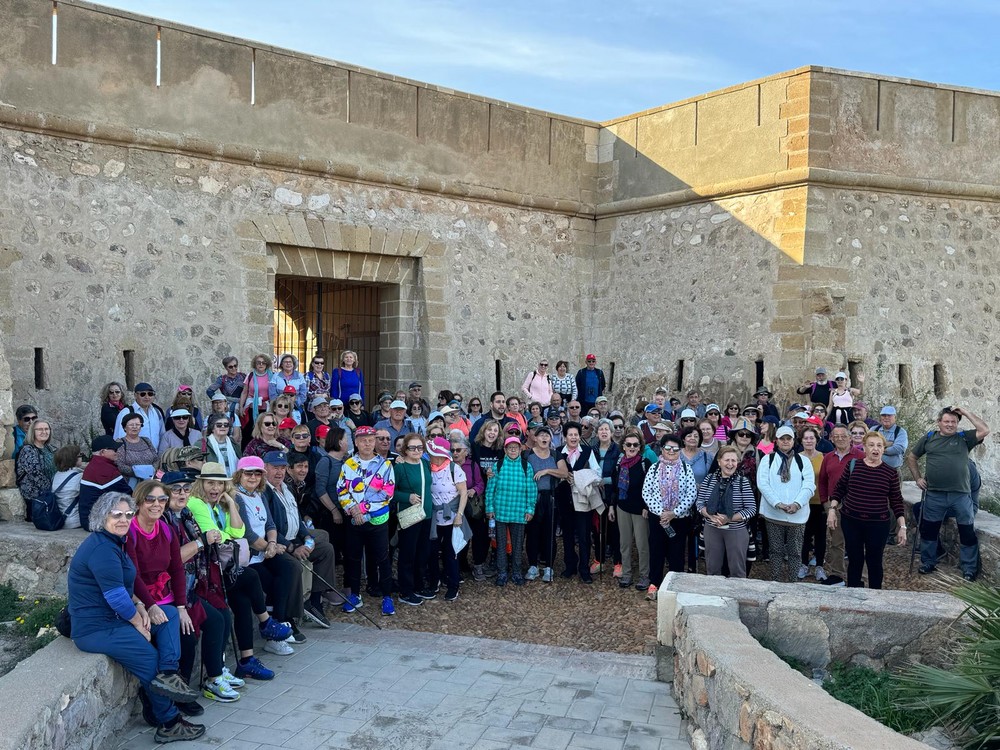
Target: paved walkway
[(357, 687)]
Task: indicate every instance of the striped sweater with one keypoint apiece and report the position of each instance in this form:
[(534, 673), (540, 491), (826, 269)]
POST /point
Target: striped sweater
[(868, 493)]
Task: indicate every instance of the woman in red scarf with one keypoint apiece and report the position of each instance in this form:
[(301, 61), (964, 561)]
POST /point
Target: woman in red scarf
[(112, 402)]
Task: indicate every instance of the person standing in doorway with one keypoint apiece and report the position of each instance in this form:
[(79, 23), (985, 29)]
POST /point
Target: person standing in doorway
[(590, 383)]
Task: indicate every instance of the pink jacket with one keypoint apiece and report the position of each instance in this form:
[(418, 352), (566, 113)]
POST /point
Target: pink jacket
[(537, 388)]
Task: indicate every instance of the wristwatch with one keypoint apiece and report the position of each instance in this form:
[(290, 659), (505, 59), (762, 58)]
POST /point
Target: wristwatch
[(201, 544)]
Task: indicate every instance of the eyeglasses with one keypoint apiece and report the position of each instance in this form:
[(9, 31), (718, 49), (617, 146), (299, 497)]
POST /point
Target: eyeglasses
[(113, 390), (269, 424), (120, 514), (857, 434), (222, 424), (180, 489), (382, 439), (145, 393), (232, 367), (150, 499), (670, 449), (631, 445), (414, 447), (302, 436)]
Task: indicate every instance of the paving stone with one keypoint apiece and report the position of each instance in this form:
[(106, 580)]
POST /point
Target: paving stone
[(550, 738)]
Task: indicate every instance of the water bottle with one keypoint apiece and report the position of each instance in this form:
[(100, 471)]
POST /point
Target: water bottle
[(309, 523), (493, 528), (669, 530), (310, 543)]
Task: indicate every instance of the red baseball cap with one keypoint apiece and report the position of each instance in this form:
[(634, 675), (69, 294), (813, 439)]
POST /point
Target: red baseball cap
[(591, 357)]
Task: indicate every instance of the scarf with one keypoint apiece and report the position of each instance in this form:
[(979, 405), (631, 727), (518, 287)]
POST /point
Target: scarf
[(670, 491), (227, 458), (624, 466), (186, 437), (785, 471), (255, 405), (721, 499), (119, 405)]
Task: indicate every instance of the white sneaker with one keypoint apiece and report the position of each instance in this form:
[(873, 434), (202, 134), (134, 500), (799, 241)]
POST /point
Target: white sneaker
[(812, 561), (281, 648), (547, 575), (820, 573), (232, 679), (803, 571), (220, 690), (532, 574)]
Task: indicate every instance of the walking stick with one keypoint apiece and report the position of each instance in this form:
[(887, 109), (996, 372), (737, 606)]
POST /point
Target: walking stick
[(552, 532), (916, 535), (338, 592)]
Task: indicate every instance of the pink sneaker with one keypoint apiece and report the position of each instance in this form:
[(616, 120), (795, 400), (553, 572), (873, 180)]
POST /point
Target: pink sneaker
[(595, 567), (618, 571), (651, 593)]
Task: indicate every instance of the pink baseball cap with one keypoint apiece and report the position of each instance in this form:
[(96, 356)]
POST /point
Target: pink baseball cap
[(250, 463)]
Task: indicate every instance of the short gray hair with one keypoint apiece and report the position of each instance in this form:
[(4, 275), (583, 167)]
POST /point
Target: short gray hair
[(105, 504), (460, 439)]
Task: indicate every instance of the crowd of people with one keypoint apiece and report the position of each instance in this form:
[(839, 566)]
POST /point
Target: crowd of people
[(207, 520)]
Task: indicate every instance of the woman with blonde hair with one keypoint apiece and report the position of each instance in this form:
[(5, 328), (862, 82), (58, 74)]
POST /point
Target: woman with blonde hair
[(265, 437), (112, 402), (347, 380)]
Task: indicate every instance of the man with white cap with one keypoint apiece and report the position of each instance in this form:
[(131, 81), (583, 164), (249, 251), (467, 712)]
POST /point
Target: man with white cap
[(896, 439), (394, 424)]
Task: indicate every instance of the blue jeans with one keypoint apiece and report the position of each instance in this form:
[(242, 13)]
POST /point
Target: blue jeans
[(145, 660), (936, 507)]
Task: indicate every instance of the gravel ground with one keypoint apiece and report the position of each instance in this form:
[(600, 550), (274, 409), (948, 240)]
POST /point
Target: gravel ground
[(597, 617)]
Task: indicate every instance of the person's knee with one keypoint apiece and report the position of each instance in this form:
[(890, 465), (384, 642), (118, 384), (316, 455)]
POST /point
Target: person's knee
[(929, 530), (967, 535)]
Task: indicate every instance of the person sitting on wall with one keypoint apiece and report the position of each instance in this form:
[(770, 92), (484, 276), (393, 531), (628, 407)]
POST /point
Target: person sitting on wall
[(100, 475), (24, 416)]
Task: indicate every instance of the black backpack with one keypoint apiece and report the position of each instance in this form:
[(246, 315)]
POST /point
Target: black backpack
[(45, 513)]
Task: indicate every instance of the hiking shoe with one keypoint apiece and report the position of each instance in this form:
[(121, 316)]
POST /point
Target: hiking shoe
[(586, 578), (547, 575), (970, 577), (254, 669), (232, 679), (625, 582), (272, 630), (353, 602), (388, 610), (315, 614), (532, 574), (427, 594), (812, 561), (192, 708), (451, 595), (618, 571), (220, 690), (803, 571), (297, 635), (501, 579), (820, 574), (926, 568), (518, 580), (568, 573), (596, 567), (412, 599), (172, 686), (281, 648), (642, 584), (651, 593), (178, 730), (478, 573), (834, 581)]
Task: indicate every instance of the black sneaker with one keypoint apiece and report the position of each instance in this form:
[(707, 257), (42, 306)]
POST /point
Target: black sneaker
[(587, 578), (451, 595), (568, 573), (428, 594), (190, 709), (178, 730), (297, 635), (970, 577), (926, 568), (413, 600), (314, 613)]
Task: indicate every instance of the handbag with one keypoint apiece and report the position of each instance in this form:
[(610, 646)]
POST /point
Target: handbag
[(45, 513), (415, 513)]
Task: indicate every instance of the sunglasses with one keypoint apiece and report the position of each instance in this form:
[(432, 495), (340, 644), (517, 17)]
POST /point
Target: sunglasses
[(631, 445), (382, 439), (269, 424), (301, 436), (688, 420), (319, 362), (184, 418), (336, 408), (120, 514), (857, 434), (145, 393), (670, 449), (232, 367), (222, 424), (543, 364), (414, 447), (744, 434), (354, 401), (29, 418), (180, 489), (113, 390), (151, 499)]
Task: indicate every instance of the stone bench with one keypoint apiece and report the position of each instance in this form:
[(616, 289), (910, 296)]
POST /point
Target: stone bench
[(36, 562), (60, 697)]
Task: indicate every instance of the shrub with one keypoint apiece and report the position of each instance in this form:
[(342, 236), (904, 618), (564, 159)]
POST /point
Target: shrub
[(875, 694), (9, 602)]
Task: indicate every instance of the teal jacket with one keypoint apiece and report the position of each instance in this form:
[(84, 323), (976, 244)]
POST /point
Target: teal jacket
[(512, 491)]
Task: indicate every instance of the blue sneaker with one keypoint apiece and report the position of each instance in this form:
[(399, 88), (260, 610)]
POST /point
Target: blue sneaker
[(253, 668), (353, 602), (272, 630), (387, 609)]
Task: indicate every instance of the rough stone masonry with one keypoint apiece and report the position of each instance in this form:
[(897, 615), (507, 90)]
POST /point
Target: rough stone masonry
[(812, 217)]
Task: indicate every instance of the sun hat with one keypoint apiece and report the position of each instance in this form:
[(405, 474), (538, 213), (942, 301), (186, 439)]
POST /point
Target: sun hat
[(250, 463), (213, 470), (439, 447)]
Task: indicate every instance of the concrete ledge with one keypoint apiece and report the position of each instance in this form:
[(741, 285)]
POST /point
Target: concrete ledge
[(61, 697), (35, 562)]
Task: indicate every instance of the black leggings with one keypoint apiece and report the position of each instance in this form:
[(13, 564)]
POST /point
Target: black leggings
[(815, 537), (246, 599), (864, 543), (607, 532), (214, 632), (277, 578), (414, 542), (541, 532)]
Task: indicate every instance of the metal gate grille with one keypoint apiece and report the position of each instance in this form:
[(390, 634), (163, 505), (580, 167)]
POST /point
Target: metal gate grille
[(328, 317)]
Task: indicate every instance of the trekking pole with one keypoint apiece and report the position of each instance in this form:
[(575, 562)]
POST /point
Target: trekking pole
[(602, 527), (337, 591), (552, 533), (916, 535)]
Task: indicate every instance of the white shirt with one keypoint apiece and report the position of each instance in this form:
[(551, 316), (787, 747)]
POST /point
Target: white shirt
[(153, 426)]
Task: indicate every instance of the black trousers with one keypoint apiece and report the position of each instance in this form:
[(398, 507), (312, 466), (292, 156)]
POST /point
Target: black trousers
[(864, 543), (541, 531), (607, 534), (815, 536), (246, 598), (281, 579), (414, 543), (373, 541), (664, 549), (576, 532), (214, 632)]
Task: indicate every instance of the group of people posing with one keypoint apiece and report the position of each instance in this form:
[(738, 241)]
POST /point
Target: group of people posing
[(241, 513)]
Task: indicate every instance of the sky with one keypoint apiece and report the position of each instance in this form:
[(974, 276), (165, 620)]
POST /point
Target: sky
[(602, 60)]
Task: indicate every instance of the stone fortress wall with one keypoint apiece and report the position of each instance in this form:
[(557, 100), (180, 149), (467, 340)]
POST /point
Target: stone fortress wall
[(813, 217)]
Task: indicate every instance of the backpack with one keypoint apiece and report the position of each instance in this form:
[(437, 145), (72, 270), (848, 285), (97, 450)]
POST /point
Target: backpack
[(798, 460), (45, 513)]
